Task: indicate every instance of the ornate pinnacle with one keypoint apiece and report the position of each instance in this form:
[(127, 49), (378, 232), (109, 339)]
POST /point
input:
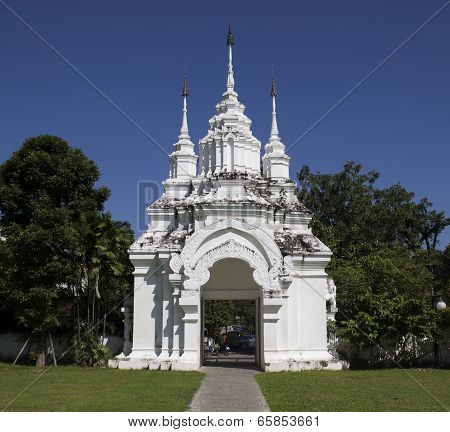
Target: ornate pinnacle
[(230, 39), (184, 92), (273, 91)]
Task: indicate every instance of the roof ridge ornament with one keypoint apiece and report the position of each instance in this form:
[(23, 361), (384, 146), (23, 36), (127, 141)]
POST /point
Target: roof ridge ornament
[(273, 91), (230, 79), (184, 91), (230, 39)]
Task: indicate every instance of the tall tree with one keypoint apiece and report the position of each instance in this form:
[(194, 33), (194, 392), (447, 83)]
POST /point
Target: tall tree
[(46, 189), (385, 254), (107, 265), (218, 314), (354, 217)]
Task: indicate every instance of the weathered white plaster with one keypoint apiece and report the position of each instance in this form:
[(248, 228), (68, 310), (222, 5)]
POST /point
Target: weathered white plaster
[(229, 231)]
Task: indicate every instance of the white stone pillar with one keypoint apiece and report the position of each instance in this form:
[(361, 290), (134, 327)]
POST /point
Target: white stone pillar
[(201, 160), (175, 280), (237, 156), (219, 151), (271, 308), (207, 158), (190, 304), (146, 276), (284, 328), (248, 156), (166, 331), (294, 330), (229, 155), (312, 323), (213, 154), (127, 310)]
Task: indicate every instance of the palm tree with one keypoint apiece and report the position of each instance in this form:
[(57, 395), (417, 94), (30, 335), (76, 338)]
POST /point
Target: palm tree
[(106, 264)]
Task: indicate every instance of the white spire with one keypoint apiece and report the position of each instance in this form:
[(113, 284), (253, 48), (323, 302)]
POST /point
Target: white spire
[(184, 131), (275, 161), (183, 160), (274, 134), (229, 145), (230, 79)]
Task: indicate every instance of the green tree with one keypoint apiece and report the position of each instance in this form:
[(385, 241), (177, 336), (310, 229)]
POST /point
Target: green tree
[(107, 266), (386, 259), (46, 189), (245, 312), (8, 319), (218, 314), (354, 217), (384, 298)]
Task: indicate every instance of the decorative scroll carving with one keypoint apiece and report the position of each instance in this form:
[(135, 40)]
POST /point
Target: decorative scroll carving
[(194, 242), (288, 266), (267, 279), (176, 263)]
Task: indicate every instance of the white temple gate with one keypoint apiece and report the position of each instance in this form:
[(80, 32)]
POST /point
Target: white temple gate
[(239, 210)]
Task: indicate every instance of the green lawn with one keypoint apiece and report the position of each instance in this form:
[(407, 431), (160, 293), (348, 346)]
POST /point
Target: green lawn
[(70, 388), (375, 390)]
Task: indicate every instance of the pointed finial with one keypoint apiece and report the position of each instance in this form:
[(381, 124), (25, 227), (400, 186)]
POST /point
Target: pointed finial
[(230, 39), (184, 92), (273, 91)]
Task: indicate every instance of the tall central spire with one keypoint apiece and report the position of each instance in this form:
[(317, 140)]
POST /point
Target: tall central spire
[(230, 79)]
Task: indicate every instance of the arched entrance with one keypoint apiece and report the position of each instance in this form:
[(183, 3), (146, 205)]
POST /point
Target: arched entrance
[(231, 242), (231, 284)]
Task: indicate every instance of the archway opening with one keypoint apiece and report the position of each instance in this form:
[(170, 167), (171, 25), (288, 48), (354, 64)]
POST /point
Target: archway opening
[(231, 315), (229, 332)]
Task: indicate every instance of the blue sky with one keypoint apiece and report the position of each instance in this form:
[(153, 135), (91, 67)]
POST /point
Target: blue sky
[(396, 123)]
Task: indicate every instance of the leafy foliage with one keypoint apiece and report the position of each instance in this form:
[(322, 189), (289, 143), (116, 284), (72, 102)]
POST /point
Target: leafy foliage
[(218, 313), (60, 253), (354, 217), (385, 261), (89, 352)]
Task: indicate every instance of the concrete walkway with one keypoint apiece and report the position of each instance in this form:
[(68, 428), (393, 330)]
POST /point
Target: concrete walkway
[(228, 389)]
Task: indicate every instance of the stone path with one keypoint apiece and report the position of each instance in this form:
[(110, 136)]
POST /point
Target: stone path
[(228, 389)]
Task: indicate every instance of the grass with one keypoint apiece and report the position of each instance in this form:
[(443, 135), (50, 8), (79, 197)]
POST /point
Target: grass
[(374, 390), (69, 388)]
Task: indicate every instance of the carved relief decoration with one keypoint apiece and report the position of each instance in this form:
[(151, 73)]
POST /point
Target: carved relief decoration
[(196, 240), (176, 263), (331, 295), (200, 274)]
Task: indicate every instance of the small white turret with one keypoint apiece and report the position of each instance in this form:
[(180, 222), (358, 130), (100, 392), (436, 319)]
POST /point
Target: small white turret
[(275, 161), (183, 160)]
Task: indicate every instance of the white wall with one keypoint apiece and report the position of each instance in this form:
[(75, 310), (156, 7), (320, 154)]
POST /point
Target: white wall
[(12, 342)]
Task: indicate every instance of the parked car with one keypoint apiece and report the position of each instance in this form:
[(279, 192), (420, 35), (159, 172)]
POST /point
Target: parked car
[(247, 341)]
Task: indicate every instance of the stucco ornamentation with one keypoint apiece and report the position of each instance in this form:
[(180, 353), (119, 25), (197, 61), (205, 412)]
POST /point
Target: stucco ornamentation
[(331, 294), (225, 208), (199, 274), (176, 263), (261, 238)]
